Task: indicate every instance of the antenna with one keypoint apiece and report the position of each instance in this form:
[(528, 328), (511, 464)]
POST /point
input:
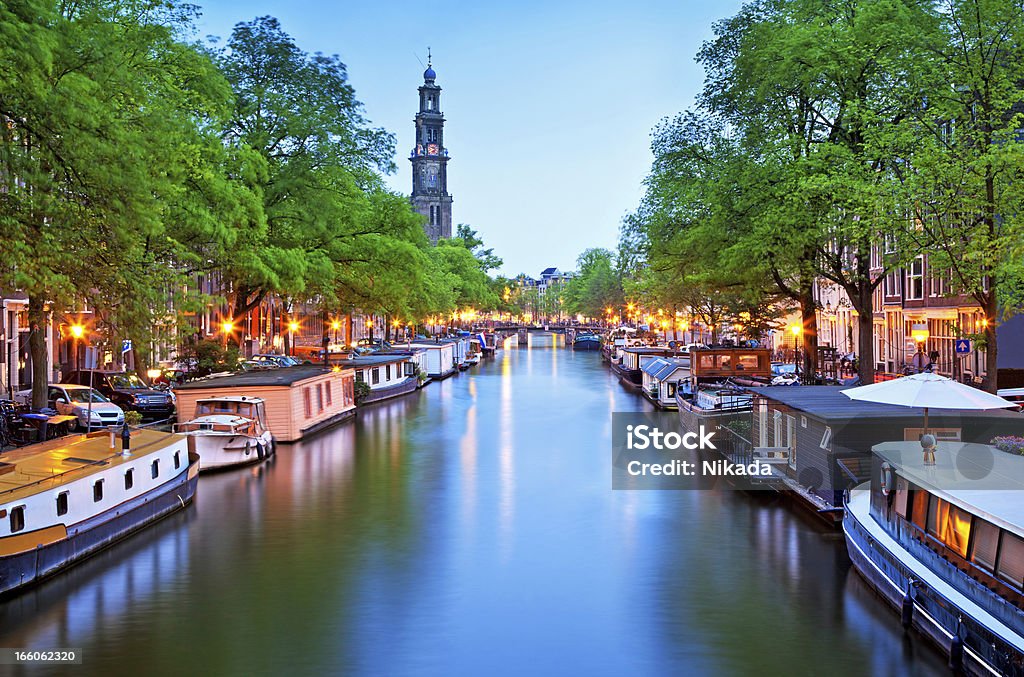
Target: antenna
[(419, 59), (428, 56)]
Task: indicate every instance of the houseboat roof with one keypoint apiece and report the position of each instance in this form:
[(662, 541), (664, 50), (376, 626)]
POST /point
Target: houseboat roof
[(284, 376), (977, 477), (38, 467), (829, 403), (377, 358), (661, 368), (647, 350)]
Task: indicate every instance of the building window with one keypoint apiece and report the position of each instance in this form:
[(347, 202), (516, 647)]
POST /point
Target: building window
[(375, 376), (154, 469), (17, 518), (62, 503), (97, 491), (307, 401), (129, 478), (177, 460), (915, 279)]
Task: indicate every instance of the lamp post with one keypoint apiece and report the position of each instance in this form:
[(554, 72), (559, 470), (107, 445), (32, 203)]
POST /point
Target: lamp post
[(335, 325), (292, 328), (77, 332), (796, 329), (369, 325), (227, 327)]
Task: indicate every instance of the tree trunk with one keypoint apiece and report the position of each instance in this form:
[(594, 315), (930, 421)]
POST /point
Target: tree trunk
[(990, 384), (809, 329), (37, 320), (864, 305)]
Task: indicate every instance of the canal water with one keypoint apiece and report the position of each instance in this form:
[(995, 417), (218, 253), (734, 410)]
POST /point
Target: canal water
[(470, 528)]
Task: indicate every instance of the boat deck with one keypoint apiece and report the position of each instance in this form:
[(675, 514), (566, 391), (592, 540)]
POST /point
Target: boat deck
[(25, 471)]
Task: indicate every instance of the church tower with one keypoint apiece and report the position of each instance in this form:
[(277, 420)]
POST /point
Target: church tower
[(430, 162)]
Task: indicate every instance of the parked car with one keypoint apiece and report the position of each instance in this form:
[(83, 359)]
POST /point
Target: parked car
[(73, 400), (376, 344), (127, 391), (275, 360)]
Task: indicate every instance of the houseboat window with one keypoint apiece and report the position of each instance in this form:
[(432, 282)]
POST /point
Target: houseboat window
[(387, 372), (762, 422), (919, 508), (319, 398), (902, 493), (17, 518), (359, 375), (410, 369), (129, 478), (155, 469), (327, 392), (1011, 558), (177, 460), (62, 503), (375, 376), (777, 417), (949, 524), (986, 544), (826, 437), (307, 402), (746, 362), (707, 362), (97, 491)]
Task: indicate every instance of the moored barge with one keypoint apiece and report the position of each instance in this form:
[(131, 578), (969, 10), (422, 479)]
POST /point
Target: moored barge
[(63, 500)]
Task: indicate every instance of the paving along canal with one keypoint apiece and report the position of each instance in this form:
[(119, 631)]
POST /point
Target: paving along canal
[(470, 527)]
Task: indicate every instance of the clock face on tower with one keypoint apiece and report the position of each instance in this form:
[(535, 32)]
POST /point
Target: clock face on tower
[(431, 149)]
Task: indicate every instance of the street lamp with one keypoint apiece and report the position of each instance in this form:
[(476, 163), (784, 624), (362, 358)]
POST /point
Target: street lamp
[(335, 325), (369, 325), (227, 327), (292, 328), (796, 329), (77, 331)]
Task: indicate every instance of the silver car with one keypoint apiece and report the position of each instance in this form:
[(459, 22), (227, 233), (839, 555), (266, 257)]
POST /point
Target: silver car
[(73, 400)]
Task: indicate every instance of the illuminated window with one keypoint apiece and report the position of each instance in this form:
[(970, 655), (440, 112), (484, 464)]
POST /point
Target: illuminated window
[(919, 509), (62, 503), (949, 524)]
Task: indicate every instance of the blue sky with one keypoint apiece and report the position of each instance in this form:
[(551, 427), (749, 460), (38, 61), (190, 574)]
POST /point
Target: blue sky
[(549, 105)]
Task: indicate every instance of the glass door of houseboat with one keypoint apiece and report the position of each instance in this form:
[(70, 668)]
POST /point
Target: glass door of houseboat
[(791, 440)]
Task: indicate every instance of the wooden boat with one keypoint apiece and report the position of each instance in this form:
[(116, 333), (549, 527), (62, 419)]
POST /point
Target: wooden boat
[(228, 431), (63, 500), (944, 544), (298, 400)]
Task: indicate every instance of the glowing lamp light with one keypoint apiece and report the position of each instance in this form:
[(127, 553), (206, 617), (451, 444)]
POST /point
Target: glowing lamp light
[(737, 327), (919, 332), (153, 373), (796, 329), (227, 327), (293, 326), (335, 325), (77, 330)]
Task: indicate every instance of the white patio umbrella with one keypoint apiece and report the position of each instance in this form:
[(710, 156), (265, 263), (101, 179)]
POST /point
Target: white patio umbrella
[(928, 391)]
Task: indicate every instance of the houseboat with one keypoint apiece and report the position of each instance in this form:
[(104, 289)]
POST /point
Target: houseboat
[(944, 544), (662, 376), (387, 374), (63, 500), (439, 358), (818, 441), (716, 394), (298, 400), (586, 341), (228, 432), (629, 368)]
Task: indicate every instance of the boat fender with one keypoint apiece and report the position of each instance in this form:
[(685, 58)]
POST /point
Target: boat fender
[(956, 649), (259, 451), (888, 479)]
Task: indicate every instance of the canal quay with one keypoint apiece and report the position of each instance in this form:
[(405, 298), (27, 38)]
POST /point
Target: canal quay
[(470, 528)]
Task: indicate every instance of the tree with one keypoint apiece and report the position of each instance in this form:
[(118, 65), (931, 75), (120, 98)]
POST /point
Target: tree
[(596, 286)]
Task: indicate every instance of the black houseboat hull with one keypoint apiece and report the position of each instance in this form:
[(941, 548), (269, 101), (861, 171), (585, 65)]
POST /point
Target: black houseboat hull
[(90, 536), (379, 394)]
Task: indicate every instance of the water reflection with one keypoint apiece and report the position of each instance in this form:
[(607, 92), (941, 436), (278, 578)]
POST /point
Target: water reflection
[(470, 528)]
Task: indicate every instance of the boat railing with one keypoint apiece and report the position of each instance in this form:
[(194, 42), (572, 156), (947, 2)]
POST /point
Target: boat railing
[(83, 464), (732, 444)]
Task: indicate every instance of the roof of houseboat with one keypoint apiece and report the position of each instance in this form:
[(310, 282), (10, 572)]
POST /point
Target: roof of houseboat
[(38, 467), (284, 376), (647, 350), (661, 367), (828, 402), (978, 477), (377, 358), (231, 398)]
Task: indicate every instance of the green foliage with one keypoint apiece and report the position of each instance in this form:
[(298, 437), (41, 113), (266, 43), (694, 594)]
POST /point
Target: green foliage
[(596, 287), (361, 390), (205, 356)]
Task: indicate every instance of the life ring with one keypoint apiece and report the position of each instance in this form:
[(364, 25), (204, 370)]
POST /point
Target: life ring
[(888, 479)]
